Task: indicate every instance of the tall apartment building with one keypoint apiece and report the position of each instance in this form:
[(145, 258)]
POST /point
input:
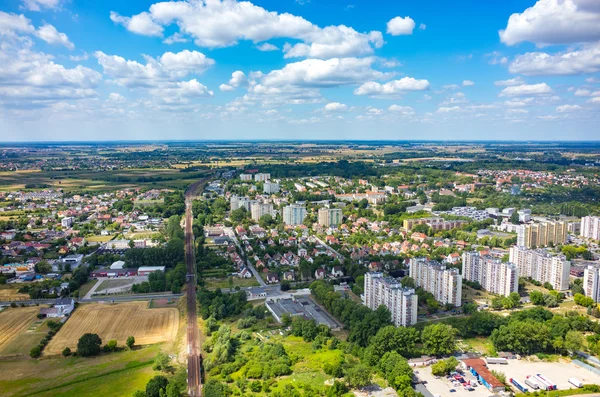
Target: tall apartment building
[(542, 234), (330, 217), (270, 187), (590, 227), (67, 221), (262, 177), (294, 214), (591, 283), (491, 273), (542, 266), (257, 210), (386, 291), (246, 177), (238, 202), (444, 283)]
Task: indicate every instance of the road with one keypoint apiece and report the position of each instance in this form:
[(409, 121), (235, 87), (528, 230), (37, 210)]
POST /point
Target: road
[(194, 354), (249, 264), (116, 298), (338, 255)]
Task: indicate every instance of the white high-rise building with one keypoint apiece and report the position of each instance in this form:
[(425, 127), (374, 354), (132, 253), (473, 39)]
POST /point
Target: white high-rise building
[(491, 273), (262, 177), (259, 209), (535, 235), (386, 291), (246, 177), (444, 283), (590, 227), (294, 214), (591, 283), (270, 187), (67, 221), (330, 217), (238, 202), (542, 266)]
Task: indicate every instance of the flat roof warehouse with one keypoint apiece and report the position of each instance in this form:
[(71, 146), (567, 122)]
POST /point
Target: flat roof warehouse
[(300, 306)]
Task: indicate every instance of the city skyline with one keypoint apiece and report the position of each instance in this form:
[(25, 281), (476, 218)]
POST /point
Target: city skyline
[(299, 70)]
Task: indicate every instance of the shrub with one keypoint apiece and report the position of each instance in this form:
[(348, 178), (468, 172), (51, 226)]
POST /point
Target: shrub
[(35, 351)]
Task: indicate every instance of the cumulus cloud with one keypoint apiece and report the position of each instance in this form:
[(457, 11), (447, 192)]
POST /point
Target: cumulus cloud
[(222, 23), (400, 26), (168, 67), (176, 38), (509, 82), (50, 35), (141, 24), (335, 107), (567, 108), (237, 78), (467, 83), (394, 87), (115, 97), (402, 110), (586, 92), (554, 22), (452, 109), (527, 90), (267, 47), (584, 60), (37, 5)]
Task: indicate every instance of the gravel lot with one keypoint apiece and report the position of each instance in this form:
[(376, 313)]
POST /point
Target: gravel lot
[(442, 386)]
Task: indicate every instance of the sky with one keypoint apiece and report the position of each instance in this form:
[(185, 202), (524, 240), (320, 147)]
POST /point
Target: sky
[(299, 69)]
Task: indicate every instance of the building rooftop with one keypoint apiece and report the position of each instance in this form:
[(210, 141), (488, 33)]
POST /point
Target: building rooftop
[(479, 366)]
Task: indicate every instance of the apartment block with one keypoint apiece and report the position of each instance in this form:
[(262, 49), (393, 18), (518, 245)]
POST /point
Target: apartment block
[(270, 187), (257, 210), (434, 223), (294, 214), (238, 202), (542, 266), (386, 291), (262, 177), (591, 283), (491, 273), (330, 217), (246, 177), (542, 234), (590, 227), (444, 283)]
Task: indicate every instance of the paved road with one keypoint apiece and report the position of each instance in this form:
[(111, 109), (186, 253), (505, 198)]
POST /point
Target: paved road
[(340, 256), (248, 263), (116, 298), (194, 354)]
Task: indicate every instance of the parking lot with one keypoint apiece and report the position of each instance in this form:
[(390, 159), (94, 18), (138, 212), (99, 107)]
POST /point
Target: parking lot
[(557, 372)]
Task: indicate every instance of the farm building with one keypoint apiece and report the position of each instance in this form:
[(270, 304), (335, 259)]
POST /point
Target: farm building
[(114, 273), (62, 307), (117, 265), (146, 270)]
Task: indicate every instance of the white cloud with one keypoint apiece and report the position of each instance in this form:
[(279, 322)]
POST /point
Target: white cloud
[(422, 26), (451, 87), (567, 108), (526, 90), (592, 80), (335, 107), (554, 22), (458, 97), (400, 26), (467, 83), (78, 58), (37, 5), (393, 87), (115, 97), (452, 109), (141, 24), (50, 35), (586, 92), (237, 78), (267, 47), (176, 38), (516, 103), (13, 23), (323, 73), (496, 58), (181, 92), (509, 82), (595, 100), (585, 60), (168, 67), (223, 23), (391, 63), (403, 110), (226, 88)]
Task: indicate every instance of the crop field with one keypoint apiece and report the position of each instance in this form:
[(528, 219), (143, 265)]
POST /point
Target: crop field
[(9, 293), (117, 321), (14, 322)]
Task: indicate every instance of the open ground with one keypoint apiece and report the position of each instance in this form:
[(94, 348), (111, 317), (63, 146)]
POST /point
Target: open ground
[(117, 321), (14, 322)]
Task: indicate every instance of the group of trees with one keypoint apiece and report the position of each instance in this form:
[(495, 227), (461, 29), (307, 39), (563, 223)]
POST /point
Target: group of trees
[(220, 305), (173, 280), (551, 299)]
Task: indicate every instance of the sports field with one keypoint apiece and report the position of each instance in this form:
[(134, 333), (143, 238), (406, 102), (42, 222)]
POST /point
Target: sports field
[(14, 322), (117, 321)]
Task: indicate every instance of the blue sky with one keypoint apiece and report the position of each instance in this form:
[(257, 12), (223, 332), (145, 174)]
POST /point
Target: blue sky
[(403, 69)]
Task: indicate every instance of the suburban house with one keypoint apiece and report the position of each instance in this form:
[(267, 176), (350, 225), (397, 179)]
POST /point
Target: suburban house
[(337, 272), (320, 274), (61, 308), (272, 278)]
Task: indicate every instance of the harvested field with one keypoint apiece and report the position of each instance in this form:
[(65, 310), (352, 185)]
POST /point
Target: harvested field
[(12, 294), (14, 322), (117, 321)]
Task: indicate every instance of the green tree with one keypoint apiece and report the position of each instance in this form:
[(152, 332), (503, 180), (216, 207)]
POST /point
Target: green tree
[(439, 339), (514, 218), (89, 345), (497, 303), (156, 386), (130, 342), (35, 351), (213, 388), (66, 352), (536, 297), (444, 367), (358, 376), (515, 298), (162, 362), (43, 267), (574, 341)]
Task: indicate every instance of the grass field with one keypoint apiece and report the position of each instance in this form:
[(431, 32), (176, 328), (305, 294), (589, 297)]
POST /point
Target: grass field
[(85, 288), (117, 321), (14, 322), (98, 239), (116, 374), (9, 293), (223, 283)]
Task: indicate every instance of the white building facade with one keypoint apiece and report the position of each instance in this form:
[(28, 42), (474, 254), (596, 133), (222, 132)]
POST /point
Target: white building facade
[(590, 227), (491, 273), (444, 283), (542, 266), (591, 283), (294, 214), (386, 291)]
